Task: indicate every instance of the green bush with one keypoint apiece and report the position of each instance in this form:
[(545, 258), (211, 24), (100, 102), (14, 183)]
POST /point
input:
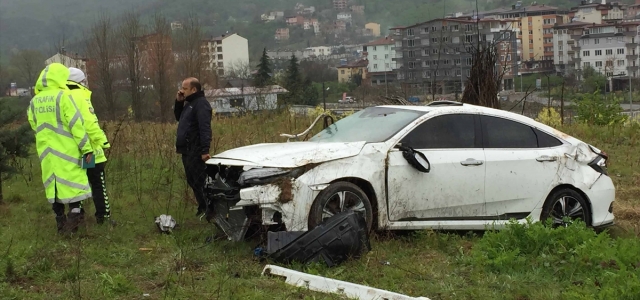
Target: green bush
[(594, 110), (597, 265)]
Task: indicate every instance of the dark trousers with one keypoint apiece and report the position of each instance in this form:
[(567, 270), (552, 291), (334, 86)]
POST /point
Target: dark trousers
[(194, 167), (99, 190), (58, 208)]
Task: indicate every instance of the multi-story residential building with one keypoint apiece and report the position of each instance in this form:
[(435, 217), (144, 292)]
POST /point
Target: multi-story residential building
[(437, 54), (373, 29), (226, 53), (345, 16), (565, 46), (357, 9), (69, 60), (536, 28), (339, 4), (594, 12), (346, 72), (295, 20), (317, 51), (282, 34), (380, 54), (633, 10), (610, 49)]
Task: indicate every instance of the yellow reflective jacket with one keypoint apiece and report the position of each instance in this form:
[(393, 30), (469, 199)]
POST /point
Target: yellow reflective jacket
[(82, 97), (61, 138)]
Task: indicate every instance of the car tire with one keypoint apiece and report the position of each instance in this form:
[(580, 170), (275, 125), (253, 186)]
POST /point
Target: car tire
[(330, 197), (563, 215)]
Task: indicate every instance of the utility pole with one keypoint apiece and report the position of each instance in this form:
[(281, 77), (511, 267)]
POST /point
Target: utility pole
[(630, 100), (324, 102)]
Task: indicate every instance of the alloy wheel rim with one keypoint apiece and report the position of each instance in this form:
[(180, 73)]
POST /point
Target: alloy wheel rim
[(566, 210), (342, 201)]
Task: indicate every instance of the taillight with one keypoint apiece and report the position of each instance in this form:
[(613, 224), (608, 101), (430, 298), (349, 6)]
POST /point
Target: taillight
[(599, 164)]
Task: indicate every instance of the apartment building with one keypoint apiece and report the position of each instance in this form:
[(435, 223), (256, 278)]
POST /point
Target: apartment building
[(380, 54), (535, 23), (340, 4), (438, 53), (282, 34), (226, 53), (565, 46), (594, 12), (69, 60)]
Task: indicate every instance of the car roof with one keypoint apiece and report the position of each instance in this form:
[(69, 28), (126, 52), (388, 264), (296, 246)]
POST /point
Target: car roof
[(469, 108)]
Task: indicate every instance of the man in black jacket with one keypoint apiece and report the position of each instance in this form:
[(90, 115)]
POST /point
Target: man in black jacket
[(193, 113)]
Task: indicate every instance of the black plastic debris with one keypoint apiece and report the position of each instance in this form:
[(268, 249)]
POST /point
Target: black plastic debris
[(221, 197), (339, 238)]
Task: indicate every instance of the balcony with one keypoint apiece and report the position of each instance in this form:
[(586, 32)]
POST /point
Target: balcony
[(571, 42), (632, 45), (632, 68), (632, 56)]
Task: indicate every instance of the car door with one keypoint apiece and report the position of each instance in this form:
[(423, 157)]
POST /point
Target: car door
[(454, 186), (522, 163)]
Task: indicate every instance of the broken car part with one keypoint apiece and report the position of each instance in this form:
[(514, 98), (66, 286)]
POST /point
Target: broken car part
[(165, 223), (339, 238), (334, 286), (416, 159)]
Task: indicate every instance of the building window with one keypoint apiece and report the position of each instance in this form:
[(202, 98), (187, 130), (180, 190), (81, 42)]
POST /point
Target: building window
[(445, 62), (375, 57), (412, 65), (426, 74), (375, 66), (426, 63), (412, 53), (434, 51), (410, 32), (458, 72), (219, 49), (469, 61), (454, 28), (598, 52), (342, 72), (410, 43), (434, 40), (609, 51), (386, 56), (586, 64), (598, 64), (596, 41), (620, 63), (425, 30), (620, 50), (236, 102), (219, 56), (386, 65), (585, 53), (456, 61)]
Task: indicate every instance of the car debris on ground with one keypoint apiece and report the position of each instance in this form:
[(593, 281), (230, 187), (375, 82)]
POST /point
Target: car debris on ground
[(328, 285), (339, 238)]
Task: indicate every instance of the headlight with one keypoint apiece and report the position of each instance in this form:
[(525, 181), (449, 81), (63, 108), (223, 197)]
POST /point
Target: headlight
[(263, 175)]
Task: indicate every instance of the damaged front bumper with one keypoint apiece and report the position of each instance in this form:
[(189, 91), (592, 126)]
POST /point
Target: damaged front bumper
[(260, 196)]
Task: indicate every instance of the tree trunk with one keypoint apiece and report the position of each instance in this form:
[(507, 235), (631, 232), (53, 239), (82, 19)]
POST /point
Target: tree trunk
[(1, 195)]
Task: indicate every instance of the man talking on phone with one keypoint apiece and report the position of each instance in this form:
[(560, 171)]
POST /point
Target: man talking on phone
[(193, 113)]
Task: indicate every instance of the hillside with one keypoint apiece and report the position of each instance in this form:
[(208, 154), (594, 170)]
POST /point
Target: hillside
[(40, 24)]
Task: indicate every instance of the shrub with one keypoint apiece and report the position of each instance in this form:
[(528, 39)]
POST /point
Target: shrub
[(549, 116)]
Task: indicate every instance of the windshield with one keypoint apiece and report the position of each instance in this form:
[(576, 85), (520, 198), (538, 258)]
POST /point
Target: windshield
[(371, 125)]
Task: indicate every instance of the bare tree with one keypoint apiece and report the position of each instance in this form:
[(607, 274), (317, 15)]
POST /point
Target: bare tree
[(160, 61), (27, 65), (192, 57), (101, 49), (130, 30)]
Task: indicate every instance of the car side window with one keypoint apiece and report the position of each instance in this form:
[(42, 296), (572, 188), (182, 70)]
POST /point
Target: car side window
[(443, 132), (503, 133), (546, 140)]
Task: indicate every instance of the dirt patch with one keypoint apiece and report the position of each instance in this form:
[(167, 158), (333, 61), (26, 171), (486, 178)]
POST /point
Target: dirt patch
[(285, 186)]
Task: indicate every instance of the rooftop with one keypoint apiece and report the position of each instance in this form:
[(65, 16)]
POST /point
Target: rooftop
[(250, 90), (383, 41)]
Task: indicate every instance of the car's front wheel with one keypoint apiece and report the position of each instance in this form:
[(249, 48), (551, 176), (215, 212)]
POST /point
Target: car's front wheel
[(564, 207), (339, 197)]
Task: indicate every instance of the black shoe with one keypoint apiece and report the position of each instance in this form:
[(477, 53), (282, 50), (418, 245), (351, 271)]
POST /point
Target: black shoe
[(101, 220), (74, 219), (61, 221)]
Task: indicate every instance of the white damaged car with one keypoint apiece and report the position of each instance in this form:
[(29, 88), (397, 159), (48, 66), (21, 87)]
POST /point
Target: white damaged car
[(446, 165)]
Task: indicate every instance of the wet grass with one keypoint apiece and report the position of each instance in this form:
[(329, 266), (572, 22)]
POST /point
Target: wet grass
[(145, 179)]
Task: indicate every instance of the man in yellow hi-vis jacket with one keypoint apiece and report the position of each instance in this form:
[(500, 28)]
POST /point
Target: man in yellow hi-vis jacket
[(82, 97), (61, 141)]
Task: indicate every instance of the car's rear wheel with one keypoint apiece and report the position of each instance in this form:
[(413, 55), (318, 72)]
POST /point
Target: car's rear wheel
[(564, 207), (339, 197)]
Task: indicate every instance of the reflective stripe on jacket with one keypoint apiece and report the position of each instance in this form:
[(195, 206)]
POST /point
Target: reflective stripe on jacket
[(61, 138), (82, 97)]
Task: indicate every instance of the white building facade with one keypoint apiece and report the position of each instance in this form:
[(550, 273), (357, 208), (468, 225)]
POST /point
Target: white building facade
[(227, 54), (380, 54)]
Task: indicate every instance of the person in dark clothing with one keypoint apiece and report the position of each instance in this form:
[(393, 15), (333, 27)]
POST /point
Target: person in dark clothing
[(193, 113)]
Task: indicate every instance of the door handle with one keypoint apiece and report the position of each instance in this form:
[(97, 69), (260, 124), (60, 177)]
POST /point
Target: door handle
[(546, 158), (471, 162)]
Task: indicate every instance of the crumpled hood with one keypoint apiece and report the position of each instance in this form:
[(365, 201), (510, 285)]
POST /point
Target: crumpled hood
[(286, 155), (53, 77)]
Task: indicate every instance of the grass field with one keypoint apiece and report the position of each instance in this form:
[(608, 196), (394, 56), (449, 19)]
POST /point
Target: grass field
[(145, 179)]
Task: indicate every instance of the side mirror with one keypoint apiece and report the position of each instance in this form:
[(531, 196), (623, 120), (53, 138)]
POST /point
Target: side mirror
[(416, 159)]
